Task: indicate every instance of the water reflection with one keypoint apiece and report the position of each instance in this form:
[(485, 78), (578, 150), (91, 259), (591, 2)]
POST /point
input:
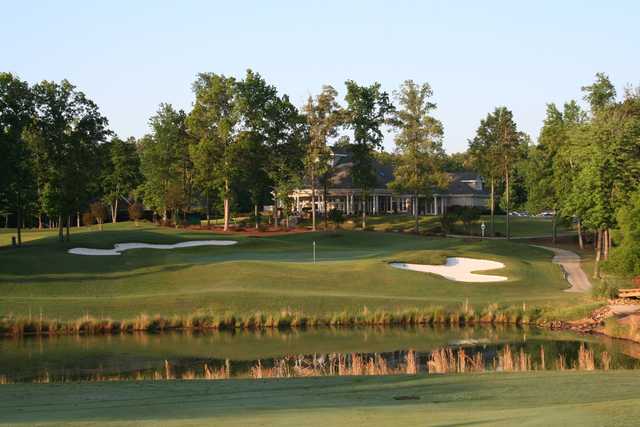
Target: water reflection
[(219, 354)]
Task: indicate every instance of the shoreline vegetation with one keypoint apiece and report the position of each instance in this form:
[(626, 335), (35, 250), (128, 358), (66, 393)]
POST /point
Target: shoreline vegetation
[(440, 361), (287, 318)]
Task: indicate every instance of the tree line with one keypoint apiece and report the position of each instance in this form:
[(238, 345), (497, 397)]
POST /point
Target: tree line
[(243, 145)]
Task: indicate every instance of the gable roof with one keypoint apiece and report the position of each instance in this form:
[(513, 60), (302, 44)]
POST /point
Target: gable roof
[(341, 178)]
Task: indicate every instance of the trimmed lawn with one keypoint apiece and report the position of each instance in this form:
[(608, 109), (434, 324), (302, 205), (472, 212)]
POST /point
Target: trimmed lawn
[(520, 226), (497, 399), (259, 274)]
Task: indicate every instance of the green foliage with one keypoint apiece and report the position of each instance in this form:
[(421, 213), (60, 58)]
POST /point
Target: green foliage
[(336, 216), (163, 157), (625, 258), (604, 289), (65, 132), (419, 152), (136, 211)]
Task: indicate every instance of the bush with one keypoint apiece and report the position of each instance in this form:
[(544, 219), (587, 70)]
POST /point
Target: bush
[(136, 210), (336, 216), (87, 218), (625, 258), (98, 211), (468, 215), (448, 220), (605, 289)]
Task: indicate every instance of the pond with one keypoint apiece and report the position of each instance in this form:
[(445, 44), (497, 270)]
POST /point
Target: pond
[(304, 352)]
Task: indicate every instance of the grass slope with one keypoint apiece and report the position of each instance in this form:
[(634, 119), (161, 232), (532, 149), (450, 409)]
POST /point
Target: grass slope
[(547, 398), (266, 274), (519, 226)]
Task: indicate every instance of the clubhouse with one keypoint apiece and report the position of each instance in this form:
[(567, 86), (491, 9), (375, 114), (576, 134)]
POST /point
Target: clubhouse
[(464, 189)]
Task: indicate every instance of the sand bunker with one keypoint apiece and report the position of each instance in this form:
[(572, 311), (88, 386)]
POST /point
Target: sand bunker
[(121, 247), (458, 269)]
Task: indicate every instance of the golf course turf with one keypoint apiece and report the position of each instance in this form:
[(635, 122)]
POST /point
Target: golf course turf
[(497, 399), (266, 274)]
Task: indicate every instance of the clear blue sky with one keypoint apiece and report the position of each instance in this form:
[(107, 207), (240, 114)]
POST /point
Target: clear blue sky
[(129, 56)]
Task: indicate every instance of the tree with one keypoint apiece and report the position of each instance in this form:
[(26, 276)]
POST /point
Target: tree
[(496, 148), (607, 151), (136, 210), (336, 216), (162, 162), (625, 258), (368, 109), (419, 152), (323, 117), (98, 212), (213, 124), (271, 128), (64, 137), (122, 175), (600, 94), (17, 182), (551, 164)]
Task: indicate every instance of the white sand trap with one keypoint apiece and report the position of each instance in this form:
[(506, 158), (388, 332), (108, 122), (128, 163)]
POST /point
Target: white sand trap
[(458, 269), (121, 247)]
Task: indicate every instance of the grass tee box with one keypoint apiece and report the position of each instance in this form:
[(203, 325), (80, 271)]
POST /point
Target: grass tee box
[(533, 399), (265, 274)]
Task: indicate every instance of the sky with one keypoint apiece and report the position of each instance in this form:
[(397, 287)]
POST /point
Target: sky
[(129, 56)]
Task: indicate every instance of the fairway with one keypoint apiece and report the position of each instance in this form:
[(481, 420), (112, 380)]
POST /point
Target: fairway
[(265, 274), (540, 399)]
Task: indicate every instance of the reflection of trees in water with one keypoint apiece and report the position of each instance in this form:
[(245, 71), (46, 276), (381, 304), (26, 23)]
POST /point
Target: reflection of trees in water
[(527, 355)]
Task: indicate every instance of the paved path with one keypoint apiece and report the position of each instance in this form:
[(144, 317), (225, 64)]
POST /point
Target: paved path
[(570, 263)]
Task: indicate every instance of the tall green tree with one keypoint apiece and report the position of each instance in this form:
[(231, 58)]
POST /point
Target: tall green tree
[(323, 116), (64, 136), (17, 181), (213, 123), (121, 173), (161, 162), (496, 148), (419, 152), (551, 165), (368, 110)]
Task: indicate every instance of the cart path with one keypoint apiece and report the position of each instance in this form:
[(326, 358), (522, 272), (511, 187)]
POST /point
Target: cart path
[(570, 263)]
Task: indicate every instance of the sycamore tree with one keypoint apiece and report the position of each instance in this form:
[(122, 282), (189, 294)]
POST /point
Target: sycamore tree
[(17, 181), (419, 152), (323, 115), (64, 135), (368, 110), (213, 124), (497, 147)]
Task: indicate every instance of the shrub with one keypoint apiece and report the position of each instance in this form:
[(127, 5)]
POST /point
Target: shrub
[(625, 258), (448, 220), (87, 218), (99, 212), (336, 216), (605, 289), (135, 211)]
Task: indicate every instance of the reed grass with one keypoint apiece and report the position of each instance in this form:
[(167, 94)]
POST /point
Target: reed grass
[(285, 318), (445, 360)]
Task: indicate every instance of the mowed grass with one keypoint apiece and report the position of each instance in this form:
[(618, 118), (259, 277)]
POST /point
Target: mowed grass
[(259, 274), (520, 226), (497, 399)]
